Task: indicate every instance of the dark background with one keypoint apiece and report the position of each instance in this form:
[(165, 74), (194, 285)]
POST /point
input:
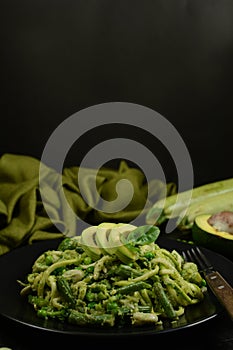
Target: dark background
[(60, 56)]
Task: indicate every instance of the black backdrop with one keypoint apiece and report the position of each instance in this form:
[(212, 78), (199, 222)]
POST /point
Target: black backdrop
[(60, 56)]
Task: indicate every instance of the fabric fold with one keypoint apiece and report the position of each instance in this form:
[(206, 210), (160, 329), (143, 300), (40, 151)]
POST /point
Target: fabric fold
[(37, 203)]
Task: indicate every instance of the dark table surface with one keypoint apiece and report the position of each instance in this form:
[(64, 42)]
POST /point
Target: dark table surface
[(216, 333)]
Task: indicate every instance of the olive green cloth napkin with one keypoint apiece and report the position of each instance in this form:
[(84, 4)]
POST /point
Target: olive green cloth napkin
[(37, 203)]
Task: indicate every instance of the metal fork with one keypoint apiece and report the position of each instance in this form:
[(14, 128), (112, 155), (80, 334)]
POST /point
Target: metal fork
[(219, 286)]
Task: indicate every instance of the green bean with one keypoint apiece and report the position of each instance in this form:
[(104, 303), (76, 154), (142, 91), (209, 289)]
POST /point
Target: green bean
[(163, 300), (133, 287), (46, 313), (144, 308), (127, 271), (65, 290), (81, 319)]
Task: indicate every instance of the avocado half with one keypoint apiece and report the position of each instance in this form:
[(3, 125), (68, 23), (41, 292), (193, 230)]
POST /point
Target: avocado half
[(205, 235)]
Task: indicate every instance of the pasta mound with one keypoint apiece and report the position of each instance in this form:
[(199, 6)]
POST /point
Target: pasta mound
[(68, 285)]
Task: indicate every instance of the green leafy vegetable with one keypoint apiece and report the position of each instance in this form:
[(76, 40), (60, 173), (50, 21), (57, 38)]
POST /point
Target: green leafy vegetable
[(143, 235)]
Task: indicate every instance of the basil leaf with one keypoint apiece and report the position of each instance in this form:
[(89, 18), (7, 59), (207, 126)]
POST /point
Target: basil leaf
[(143, 235)]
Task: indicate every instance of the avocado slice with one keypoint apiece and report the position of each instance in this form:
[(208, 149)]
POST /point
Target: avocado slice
[(88, 241), (102, 235), (123, 252), (208, 236)]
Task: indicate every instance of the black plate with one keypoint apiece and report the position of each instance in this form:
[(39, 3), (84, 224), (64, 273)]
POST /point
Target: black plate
[(17, 263)]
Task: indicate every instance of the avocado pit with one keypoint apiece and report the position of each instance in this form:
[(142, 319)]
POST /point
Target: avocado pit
[(222, 221)]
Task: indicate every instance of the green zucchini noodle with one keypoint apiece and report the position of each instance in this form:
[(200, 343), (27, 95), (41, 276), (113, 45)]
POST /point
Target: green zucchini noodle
[(67, 284)]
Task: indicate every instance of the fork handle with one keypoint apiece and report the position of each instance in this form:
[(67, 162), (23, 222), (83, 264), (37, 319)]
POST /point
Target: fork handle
[(222, 290)]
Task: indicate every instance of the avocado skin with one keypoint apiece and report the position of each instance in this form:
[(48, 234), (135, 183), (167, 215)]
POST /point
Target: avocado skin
[(211, 238)]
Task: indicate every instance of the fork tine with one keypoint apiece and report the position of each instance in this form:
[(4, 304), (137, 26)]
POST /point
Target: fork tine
[(196, 255), (197, 258), (206, 263), (184, 255), (189, 255)]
